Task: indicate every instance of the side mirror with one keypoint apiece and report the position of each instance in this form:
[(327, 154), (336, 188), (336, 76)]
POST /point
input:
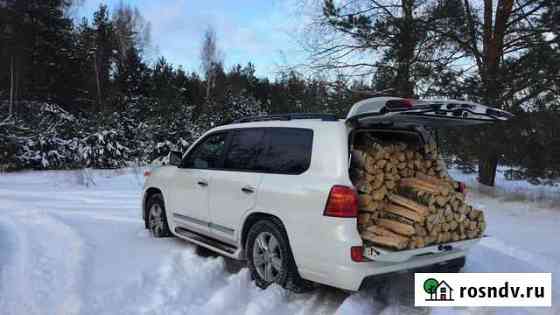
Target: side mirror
[(175, 158)]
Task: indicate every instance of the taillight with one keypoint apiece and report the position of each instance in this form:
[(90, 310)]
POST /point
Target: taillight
[(147, 173), (342, 202), (462, 188), (357, 253)]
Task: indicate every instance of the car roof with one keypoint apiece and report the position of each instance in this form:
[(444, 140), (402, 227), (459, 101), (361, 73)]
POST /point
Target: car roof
[(296, 123)]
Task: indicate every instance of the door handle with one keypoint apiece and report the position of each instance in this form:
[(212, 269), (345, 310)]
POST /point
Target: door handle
[(202, 183), (248, 189)]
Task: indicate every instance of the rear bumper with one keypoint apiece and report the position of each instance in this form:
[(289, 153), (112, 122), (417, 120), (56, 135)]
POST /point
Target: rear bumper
[(353, 276), (452, 265), (322, 255)]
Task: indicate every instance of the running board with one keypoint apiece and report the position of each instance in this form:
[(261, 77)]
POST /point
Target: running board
[(208, 242)]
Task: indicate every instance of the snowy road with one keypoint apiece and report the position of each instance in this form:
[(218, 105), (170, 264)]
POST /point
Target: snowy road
[(70, 249)]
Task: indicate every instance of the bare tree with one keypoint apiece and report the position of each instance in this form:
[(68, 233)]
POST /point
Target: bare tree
[(131, 29), (211, 58), (390, 39)]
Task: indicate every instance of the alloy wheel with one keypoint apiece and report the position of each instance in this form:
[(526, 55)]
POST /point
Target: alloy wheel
[(267, 257)]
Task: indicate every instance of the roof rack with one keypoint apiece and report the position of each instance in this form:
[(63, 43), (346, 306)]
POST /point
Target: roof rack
[(290, 116)]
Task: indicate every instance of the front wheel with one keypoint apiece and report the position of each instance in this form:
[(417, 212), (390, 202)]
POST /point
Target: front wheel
[(156, 219), (270, 259)]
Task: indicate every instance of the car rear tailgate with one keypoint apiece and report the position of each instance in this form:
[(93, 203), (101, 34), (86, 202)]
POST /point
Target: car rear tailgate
[(432, 113)]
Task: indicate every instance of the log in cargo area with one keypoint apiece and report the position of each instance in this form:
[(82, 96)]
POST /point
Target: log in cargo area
[(407, 199)]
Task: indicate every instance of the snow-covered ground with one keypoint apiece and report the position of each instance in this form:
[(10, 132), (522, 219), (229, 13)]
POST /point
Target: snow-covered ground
[(68, 248)]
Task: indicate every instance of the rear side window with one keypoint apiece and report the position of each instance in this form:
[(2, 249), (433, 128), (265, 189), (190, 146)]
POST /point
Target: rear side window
[(288, 151), (246, 145)]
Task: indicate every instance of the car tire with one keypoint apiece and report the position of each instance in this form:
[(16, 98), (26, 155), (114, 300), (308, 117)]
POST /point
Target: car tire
[(451, 266), (156, 219), (458, 264), (270, 258)]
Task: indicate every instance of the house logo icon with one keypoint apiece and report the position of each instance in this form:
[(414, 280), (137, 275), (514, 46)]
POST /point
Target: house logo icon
[(438, 290)]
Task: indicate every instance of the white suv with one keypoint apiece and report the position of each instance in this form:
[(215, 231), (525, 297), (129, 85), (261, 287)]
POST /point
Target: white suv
[(276, 191)]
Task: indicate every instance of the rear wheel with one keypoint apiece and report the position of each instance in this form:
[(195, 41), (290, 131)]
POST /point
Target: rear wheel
[(452, 266), (270, 258), (156, 219)]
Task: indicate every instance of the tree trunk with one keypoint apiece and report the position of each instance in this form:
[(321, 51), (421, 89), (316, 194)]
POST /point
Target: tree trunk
[(494, 31), (404, 85), (97, 82), (12, 86), (487, 165)]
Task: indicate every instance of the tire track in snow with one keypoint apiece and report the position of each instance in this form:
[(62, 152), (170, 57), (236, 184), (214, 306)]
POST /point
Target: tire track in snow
[(186, 283), (45, 273)]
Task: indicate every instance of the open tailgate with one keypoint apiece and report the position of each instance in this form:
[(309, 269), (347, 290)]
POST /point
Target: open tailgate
[(381, 254), (432, 113)]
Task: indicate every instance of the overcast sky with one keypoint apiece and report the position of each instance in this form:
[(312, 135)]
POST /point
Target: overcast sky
[(261, 31)]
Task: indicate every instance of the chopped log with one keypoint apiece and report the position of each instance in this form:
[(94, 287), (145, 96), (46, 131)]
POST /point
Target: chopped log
[(389, 167), (409, 155), (453, 225), (482, 227), (363, 187), (410, 204), (403, 212), (380, 164), (448, 211), (417, 185), (420, 230), (377, 183), (384, 240), (433, 180), (472, 234), (441, 201), (363, 217), (473, 215), (419, 242), (379, 230), (364, 200), (372, 206), (455, 237), (395, 217), (379, 194), (397, 227)]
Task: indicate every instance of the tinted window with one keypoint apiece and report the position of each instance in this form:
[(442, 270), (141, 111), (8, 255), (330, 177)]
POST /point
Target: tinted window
[(246, 145), (208, 153), (288, 151)]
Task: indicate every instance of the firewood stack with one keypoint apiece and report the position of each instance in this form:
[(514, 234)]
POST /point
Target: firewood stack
[(407, 199)]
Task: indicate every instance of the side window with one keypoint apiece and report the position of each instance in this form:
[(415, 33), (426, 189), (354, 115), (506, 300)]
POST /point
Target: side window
[(288, 152), (246, 145), (208, 153)]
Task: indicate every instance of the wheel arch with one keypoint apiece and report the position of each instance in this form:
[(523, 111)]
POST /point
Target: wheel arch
[(294, 281), (253, 218)]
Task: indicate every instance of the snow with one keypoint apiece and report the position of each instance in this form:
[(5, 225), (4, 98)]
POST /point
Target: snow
[(72, 242)]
